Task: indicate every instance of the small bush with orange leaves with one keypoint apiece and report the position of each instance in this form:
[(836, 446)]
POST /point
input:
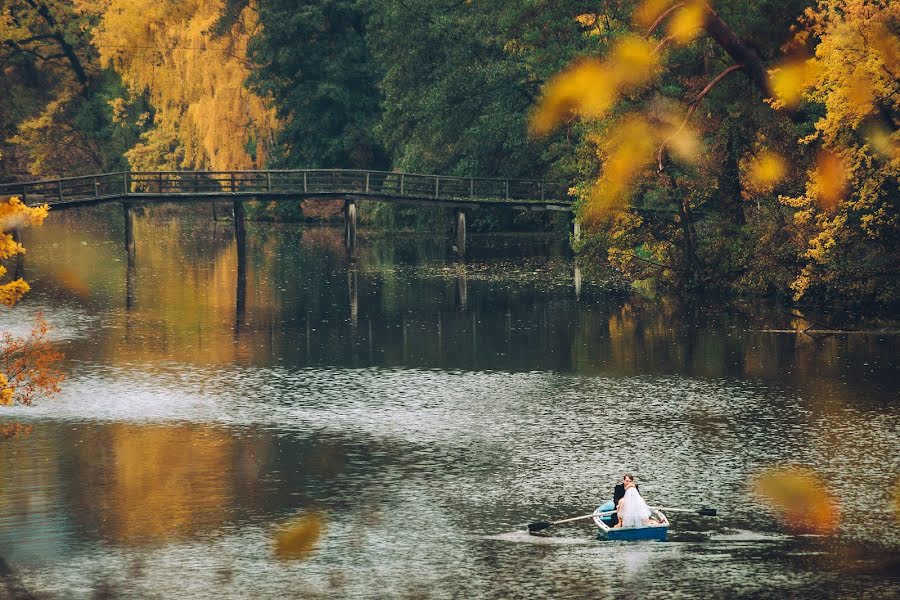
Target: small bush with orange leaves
[(26, 363)]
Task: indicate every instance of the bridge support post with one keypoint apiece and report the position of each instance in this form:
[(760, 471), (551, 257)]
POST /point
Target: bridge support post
[(240, 232), (353, 293), (129, 233), (576, 229), (462, 288), (350, 227), (240, 238), (577, 279), (459, 228)]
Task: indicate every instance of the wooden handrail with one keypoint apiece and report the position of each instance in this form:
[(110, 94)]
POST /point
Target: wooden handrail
[(80, 189)]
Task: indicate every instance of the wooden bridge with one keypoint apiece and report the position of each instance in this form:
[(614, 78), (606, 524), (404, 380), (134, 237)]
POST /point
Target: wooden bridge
[(351, 185), (171, 186)]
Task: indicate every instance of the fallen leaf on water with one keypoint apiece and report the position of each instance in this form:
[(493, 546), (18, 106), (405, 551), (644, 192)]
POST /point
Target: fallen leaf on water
[(297, 538)]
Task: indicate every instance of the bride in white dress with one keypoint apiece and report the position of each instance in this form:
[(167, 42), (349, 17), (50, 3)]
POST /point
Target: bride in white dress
[(632, 510)]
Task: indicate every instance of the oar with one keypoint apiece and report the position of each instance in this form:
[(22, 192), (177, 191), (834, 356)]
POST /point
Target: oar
[(704, 512), (541, 525)]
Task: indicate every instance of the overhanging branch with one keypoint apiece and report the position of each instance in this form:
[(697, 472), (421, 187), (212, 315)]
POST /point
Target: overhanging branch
[(693, 108)]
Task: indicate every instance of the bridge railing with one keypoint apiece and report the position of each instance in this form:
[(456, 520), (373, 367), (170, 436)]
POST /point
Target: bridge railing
[(284, 182), (67, 189)]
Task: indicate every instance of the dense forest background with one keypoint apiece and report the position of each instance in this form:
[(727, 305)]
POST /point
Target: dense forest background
[(743, 148)]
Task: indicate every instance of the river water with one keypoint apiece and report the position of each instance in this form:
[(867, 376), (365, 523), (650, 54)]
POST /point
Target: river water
[(386, 427)]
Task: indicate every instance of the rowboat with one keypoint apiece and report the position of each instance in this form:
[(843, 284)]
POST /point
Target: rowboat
[(603, 519)]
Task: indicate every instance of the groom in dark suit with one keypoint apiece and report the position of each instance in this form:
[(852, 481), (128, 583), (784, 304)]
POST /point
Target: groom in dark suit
[(618, 492)]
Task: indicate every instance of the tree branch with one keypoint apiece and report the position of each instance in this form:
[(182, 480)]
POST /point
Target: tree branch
[(663, 16), (729, 41), (64, 45), (693, 108), (735, 47)]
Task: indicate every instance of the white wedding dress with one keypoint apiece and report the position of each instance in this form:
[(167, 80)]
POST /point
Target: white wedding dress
[(635, 511)]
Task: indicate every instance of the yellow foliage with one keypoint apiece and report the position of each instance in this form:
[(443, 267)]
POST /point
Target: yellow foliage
[(584, 88), (194, 80), (856, 82), (589, 88), (649, 10), (629, 148), (687, 22), (297, 538), (12, 291), (800, 498), (633, 60), (591, 22), (765, 170), (791, 79), (6, 392), (15, 215)]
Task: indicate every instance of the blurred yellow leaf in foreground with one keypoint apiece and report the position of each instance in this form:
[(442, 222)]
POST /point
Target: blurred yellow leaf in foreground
[(588, 88), (297, 538), (632, 60), (766, 170), (687, 22), (584, 88), (790, 80), (630, 148), (800, 498), (649, 10)]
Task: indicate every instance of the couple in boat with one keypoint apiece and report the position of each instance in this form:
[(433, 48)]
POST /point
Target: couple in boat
[(631, 510)]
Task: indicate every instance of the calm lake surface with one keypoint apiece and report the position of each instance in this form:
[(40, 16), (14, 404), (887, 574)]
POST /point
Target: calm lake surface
[(408, 415)]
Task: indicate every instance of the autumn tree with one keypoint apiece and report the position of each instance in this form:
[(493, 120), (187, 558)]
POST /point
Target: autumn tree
[(26, 363), (845, 60), (54, 117), (202, 115), (689, 112)]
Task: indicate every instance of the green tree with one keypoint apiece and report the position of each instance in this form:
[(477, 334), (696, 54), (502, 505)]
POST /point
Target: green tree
[(312, 59)]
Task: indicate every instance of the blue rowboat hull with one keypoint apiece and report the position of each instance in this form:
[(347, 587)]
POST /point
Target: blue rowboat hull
[(652, 532), (648, 532)]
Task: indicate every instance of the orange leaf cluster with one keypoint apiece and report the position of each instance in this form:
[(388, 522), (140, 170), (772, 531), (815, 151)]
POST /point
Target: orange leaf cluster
[(829, 179), (27, 366)]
